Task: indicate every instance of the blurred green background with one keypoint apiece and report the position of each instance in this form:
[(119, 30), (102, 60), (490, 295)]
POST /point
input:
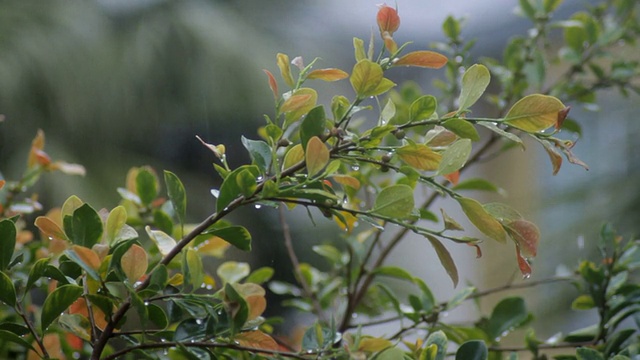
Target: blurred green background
[(117, 83)]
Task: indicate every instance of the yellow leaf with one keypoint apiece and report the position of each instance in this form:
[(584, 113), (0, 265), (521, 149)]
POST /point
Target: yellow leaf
[(316, 156), (371, 344), (535, 113), (70, 205), (349, 218), (426, 59), (283, 63), (215, 246), (176, 280), (482, 220), (327, 74), (419, 156), (134, 263)]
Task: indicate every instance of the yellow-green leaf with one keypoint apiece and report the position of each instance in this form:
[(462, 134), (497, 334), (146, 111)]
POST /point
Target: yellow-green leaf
[(301, 108), (426, 59), (347, 180), (474, 82), (330, 74), (371, 344), (231, 271), (454, 157), (195, 268), (534, 113), (482, 220), (419, 156), (134, 263), (70, 205), (445, 259), (316, 156), (115, 221), (358, 45), (295, 102), (394, 201), (283, 63), (366, 77), (293, 156)]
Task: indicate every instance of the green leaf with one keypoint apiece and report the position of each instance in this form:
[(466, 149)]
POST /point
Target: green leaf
[(477, 184), (237, 236), (230, 189), (7, 242), (115, 222), (260, 276), (459, 297), (454, 157), (472, 350), (394, 271), (534, 113), (451, 28), (232, 271), (312, 125), (502, 212), (238, 309), (388, 112), (506, 316), (445, 259), (482, 220), (584, 353), (57, 302), (462, 128), (474, 82), (391, 354), (527, 9), (84, 227), (193, 268), (394, 201), (164, 242), (439, 339), (70, 205), (316, 156), (419, 156), (11, 337), (422, 108), (504, 134), (177, 195), (358, 46), (7, 290), (36, 272), (146, 185), (247, 183), (157, 316), (260, 153), (583, 302)]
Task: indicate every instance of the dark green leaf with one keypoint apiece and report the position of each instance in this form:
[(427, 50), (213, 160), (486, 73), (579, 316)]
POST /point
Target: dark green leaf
[(14, 328), (312, 125), (451, 28), (583, 335), (7, 242), (177, 195), (7, 290), (11, 337), (317, 338), (159, 278), (36, 272), (237, 308), (57, 302), (584, 353), (162, 221), (506, 316), (157, 316), (84, 227), (237, 236), (146, 186), (472, 350), (260, 153)]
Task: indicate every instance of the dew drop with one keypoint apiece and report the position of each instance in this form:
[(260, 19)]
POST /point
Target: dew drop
[(76, 355), (354, 316), (146, 303), (444, 314), (259, 178), (526, 276), (199, 321), (458, 59), (257, 206), (215, 193), (355, 168), (580, 241)]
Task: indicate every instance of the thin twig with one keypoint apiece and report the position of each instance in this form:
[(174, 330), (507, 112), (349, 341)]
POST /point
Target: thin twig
[(288, 243), (32, 330), (522, 285)]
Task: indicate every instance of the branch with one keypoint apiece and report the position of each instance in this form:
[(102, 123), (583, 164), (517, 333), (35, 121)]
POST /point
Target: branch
[(523, 285), (296, 267), (206, 345), (37, 339)]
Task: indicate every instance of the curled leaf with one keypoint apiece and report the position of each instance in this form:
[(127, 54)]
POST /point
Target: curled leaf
[(282, 61), (273, 84), (388, 19)]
